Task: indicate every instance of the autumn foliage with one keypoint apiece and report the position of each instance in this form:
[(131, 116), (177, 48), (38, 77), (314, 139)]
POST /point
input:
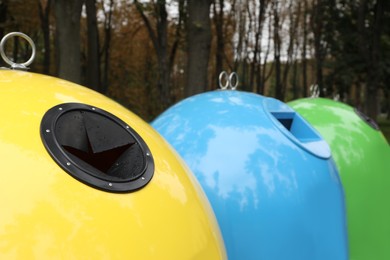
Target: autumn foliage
[(148, 55)]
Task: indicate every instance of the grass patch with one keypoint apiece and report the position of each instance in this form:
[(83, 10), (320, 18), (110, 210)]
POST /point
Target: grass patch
[(384, 125)]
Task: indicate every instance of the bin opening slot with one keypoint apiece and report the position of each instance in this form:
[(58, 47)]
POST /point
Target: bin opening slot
[(297, 126)]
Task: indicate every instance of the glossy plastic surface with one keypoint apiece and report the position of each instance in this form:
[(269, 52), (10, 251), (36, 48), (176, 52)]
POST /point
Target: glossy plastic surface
[(273, 186), (362, 156), (47, 214)]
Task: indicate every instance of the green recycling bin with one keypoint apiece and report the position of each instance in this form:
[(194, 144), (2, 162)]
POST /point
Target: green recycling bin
[(362, 156)]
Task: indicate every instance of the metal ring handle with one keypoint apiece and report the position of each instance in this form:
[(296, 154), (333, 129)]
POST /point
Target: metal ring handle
[(232, 76), (315, 91), (10, 62), (223, 76)]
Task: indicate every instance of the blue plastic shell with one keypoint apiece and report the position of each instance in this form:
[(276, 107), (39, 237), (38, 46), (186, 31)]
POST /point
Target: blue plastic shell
[(267, 173)]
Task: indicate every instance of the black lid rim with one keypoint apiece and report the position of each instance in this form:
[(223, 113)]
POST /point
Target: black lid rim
[(368, 120), (82, 174)]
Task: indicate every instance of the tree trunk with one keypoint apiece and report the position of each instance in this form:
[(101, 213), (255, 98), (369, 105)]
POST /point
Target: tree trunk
[(178, 34), (357, 97), (256, 63), (294, 17), (44, 14), (277, 47), (218, 21), (106, 48), (304, 50), (241, 35), (176, 90), (93, 57), (162, 55), (198, 39), (68, 13), (160, 44), (294, 51), (295, 80), (318, 48), (263, 77), (374, 70), (248, 27), (387, 96), (3, 16)]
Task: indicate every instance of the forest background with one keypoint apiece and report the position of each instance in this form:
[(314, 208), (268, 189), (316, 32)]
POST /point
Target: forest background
[(148, 55)]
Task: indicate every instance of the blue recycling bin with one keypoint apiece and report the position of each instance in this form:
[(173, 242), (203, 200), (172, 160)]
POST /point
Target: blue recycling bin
[(267, 173)]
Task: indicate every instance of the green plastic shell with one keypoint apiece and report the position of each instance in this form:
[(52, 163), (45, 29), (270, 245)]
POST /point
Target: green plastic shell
[(362, 156)]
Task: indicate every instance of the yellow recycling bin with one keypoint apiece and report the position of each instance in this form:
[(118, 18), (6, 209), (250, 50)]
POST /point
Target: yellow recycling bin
[(84, 178)]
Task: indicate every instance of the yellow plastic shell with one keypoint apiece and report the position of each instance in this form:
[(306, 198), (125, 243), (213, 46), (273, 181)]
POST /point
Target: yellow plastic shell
[(47, 214)]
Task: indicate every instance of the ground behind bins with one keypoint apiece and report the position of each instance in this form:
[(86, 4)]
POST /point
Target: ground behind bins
[(384, 125)]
